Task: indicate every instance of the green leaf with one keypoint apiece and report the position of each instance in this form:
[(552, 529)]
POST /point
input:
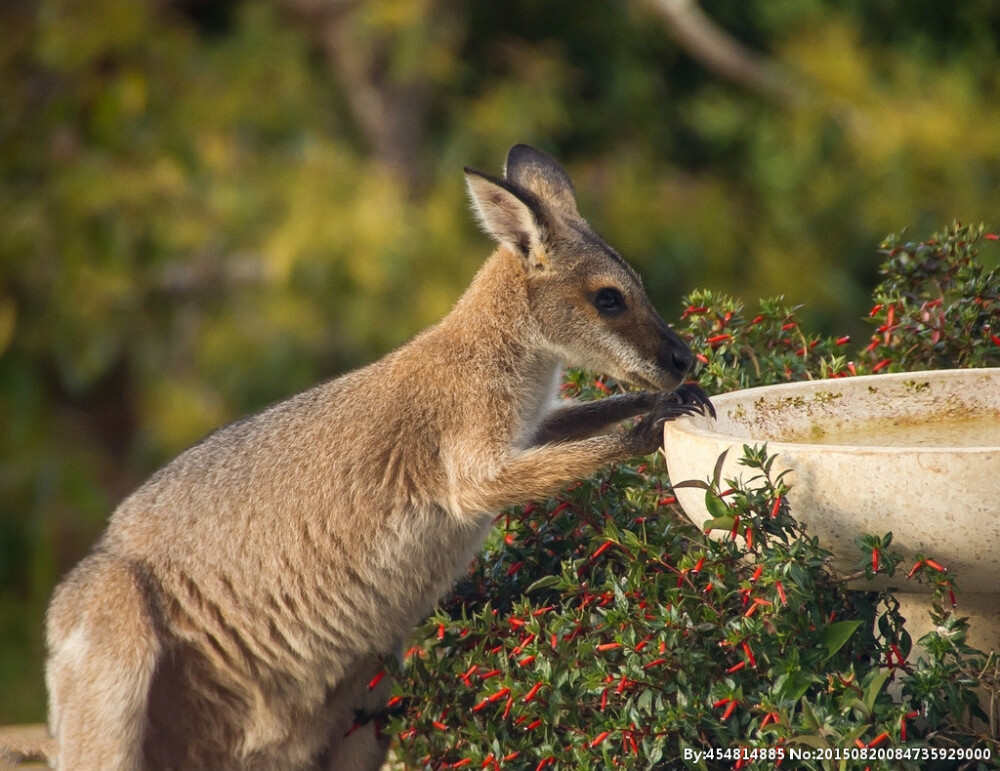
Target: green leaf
[(809, 715), (718, 523), (716, 506), (792, 687), (811, 740), (874, 688), (717, 473), (836, 636), (691, 483), (545, 582)]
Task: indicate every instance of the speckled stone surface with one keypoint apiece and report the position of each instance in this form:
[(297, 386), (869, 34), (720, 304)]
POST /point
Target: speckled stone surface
[(938, 500)]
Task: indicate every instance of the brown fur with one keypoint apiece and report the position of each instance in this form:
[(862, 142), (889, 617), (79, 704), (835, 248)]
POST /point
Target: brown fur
[(234, 612)]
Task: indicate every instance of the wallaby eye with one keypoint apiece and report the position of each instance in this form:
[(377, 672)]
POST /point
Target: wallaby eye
[(609, 301)]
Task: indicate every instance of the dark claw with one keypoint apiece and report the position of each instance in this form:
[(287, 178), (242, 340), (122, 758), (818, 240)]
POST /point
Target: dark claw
[(691, 396), (687, 400), (681, 410)]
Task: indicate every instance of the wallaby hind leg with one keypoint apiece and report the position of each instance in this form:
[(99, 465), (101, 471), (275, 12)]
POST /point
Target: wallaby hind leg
[(364, 745), (103, 650)]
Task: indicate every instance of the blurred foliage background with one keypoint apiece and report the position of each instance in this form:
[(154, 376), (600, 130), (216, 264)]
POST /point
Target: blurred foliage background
[(208, 205)]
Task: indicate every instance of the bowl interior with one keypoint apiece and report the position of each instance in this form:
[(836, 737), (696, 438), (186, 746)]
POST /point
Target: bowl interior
[(947, 409)]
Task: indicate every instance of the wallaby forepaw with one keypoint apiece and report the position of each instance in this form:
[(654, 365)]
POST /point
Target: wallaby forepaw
[(689, 399), (692, 395)]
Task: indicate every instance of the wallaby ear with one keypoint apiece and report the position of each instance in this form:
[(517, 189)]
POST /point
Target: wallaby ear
[(508, 214), (542, 175)]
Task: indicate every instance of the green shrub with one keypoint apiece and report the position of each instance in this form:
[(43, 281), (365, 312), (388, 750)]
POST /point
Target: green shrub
[(600, 629)]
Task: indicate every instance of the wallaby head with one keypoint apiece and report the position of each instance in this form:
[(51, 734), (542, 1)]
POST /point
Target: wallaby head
[(589, 305)]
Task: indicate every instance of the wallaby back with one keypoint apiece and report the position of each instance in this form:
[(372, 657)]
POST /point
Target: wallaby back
[(238, 606)]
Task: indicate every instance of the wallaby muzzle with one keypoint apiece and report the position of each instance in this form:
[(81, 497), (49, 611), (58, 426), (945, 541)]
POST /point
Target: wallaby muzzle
[(674, 356)]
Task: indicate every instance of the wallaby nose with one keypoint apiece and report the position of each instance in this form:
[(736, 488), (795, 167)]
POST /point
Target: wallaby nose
[(682, 359), (674, 356), (676, 359)]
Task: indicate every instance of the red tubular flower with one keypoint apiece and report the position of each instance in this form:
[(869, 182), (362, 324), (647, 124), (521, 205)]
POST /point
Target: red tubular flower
[(878, 740), (559, 509), (599, 738), (376, 680)]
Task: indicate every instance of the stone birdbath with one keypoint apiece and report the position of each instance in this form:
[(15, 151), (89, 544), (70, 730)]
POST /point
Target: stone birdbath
[(917, 454)]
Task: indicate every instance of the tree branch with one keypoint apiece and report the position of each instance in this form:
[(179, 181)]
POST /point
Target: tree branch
[(713, 47)]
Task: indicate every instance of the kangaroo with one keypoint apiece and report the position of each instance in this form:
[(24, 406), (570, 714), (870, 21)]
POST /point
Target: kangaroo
[(236, 610)]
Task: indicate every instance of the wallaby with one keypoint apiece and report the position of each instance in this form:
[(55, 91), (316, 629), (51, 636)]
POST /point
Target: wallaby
[(235, 611)]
